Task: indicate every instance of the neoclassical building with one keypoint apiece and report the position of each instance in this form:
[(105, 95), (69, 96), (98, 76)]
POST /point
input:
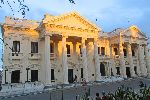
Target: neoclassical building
[(54, 50)]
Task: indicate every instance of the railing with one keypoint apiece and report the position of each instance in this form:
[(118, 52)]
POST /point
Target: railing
[(116, 56), (52, 55), (34, 56), (104, 56), (15, 56)]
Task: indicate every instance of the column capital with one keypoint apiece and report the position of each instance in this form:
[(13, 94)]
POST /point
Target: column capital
[(47, 33), (110, 45), (84, 38), (95, 38), (64, 36)]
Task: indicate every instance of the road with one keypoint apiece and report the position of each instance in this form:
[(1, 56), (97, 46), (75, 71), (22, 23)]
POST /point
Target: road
[(77, 92)]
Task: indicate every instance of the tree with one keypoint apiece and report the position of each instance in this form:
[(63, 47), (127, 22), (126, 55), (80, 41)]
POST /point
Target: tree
[(22, 7)]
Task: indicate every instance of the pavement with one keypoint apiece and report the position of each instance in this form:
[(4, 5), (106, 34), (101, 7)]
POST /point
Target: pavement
[(76, 93)]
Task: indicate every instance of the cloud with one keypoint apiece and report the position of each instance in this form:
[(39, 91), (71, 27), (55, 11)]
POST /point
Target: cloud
[(111, 14)]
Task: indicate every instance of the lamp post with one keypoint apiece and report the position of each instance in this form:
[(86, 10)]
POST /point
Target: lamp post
[(27, 73)]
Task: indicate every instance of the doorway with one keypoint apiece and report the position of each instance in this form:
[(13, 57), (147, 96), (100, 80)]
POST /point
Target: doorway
[(118, 70), (70, 75), (128, 72), (102, 69), (15, 76), (34, 75)]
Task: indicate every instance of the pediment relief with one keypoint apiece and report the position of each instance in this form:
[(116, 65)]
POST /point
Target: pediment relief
[(71, 20)]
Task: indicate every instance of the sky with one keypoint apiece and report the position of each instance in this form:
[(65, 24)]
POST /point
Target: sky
[(110, 14)]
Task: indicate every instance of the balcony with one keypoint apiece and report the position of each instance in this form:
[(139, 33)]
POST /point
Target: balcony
[(104, 57), (15, 56), (52, 56), (34, 56), (116, 57)]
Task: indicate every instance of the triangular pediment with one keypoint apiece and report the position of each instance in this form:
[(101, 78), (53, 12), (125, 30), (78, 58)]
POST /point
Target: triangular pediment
[(134, 31), (71, 20)]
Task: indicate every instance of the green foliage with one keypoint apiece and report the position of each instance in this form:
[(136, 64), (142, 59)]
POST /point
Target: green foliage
[(125, 93)]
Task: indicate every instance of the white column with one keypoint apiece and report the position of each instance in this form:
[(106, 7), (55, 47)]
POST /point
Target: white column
[(130, 60), (84, 60), (64, 60), (138, 65), (112, 64), (122, 61), (142, 61), (47, 61), (97, 63), (147, 60)]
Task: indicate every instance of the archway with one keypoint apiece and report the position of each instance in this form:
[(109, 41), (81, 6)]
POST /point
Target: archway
[(102, 69)]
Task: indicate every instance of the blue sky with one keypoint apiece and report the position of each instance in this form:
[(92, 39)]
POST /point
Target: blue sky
[(111, 14)]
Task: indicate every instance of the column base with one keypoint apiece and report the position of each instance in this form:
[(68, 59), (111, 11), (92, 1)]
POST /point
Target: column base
[(65, 82), (98, 79), (47, 84)]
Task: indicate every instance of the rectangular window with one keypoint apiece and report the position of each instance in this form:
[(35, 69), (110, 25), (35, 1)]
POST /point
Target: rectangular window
[(98, 50), (16, 46), (133, 53), (52, 75), (68, 50), (15, 76), (34, 75), (51, 47), (34, 47), (116, 51), (102, 50), (135, 70), (125, 53), (81, 72)]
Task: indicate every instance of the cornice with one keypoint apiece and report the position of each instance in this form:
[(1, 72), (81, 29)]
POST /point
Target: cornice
[(70, 28), (18, 28)]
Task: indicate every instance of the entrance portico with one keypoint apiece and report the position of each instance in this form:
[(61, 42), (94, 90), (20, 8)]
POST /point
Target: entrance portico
[(61, 26)]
